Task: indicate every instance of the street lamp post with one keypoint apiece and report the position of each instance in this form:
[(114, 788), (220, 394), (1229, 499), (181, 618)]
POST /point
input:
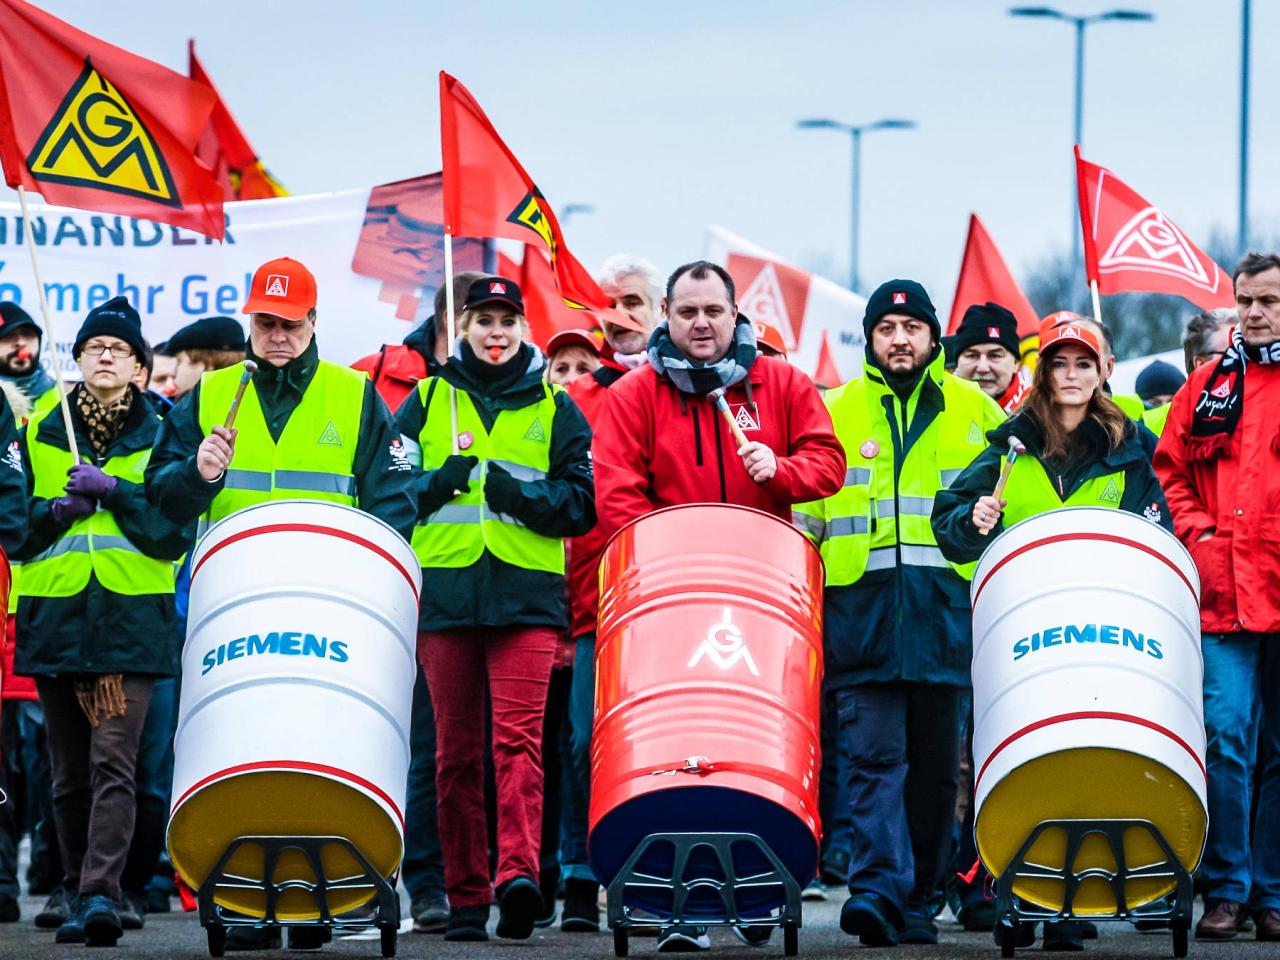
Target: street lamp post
[(855, 136), (1078, 128)]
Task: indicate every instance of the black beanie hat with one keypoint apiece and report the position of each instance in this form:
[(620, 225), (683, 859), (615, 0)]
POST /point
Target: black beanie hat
[(115, 318), (900, 296), (1157, 379), (13, 316), (208, 333), (986, 323)]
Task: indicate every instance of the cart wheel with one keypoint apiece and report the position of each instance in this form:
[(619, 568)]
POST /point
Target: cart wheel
[(790, 939), (1180, 936), (217, 935), (389, 937), (1008, 937), (621, 946)]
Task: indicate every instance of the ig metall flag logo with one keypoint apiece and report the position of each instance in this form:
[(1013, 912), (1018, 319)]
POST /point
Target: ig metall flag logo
[(725, 646)]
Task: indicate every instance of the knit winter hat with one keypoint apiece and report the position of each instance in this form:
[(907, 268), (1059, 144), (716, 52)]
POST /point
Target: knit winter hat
[(986, 323), (900, 296), (115, 318)]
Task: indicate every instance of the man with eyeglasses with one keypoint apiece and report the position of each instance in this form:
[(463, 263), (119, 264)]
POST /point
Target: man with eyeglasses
[(307, 429)]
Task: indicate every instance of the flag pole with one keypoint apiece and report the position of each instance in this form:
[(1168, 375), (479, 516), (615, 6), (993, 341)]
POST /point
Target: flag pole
[(450, 326), (1097, 301), (48, 327)]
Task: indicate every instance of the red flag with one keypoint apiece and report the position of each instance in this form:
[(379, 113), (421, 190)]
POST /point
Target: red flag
[(545, 310), (827, 375), (488, 194), (1130, 246), (86, 124), (225, 149), (985, 277)]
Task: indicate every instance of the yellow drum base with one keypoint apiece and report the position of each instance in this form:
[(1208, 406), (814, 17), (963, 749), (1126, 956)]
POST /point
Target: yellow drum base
[(288, 804), (1091, 783)]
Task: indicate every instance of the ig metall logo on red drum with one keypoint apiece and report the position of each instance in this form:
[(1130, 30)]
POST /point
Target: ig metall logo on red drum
[(725, 646)]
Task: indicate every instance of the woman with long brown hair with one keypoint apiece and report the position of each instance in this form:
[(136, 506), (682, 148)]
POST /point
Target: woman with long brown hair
[(1081, 450)]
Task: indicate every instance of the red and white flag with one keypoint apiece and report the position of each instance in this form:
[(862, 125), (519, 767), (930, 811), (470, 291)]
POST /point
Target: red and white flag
[(1130, 246), (984, 277), (820, 321)]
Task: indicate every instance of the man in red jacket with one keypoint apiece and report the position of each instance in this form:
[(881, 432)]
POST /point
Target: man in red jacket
[(661, 442), (1219, 462)]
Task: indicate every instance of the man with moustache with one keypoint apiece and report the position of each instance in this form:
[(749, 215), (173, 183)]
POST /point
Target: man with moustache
[(986, 349), (20, 342), (897, 630)]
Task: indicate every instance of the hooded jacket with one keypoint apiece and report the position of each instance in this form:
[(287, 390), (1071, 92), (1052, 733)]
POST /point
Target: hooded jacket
[(658, 447), (952, 518), (491, 592), (395, 370), (383, 476)]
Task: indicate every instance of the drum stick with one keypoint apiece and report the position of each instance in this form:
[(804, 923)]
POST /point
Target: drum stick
[(249, 369), (1016, 448), (716, 396)]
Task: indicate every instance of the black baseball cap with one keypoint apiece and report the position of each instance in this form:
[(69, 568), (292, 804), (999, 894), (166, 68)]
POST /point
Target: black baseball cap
[(495, 290)]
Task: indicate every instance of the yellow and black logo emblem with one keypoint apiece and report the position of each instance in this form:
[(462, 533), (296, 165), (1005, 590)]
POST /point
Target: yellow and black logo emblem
[(95, 139), (528, 213)]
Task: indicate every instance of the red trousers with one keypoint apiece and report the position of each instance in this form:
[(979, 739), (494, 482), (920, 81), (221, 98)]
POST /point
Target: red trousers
[(513, 666)]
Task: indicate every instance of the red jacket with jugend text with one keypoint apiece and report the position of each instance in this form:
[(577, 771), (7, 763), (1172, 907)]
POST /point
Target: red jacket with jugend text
[(658, 447)]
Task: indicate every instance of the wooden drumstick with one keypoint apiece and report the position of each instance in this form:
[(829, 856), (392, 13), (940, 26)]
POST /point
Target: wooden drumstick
[(249, 369), (1016, 448), (716, 396)]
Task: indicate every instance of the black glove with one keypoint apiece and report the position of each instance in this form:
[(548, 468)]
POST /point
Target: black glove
[(501, 490), (450, 478)]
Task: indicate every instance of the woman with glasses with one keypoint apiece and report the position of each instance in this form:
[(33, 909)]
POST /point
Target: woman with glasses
[(96, 623)]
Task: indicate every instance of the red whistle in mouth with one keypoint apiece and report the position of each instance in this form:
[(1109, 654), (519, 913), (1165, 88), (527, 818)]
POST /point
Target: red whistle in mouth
[(24, 354), (495, 353)]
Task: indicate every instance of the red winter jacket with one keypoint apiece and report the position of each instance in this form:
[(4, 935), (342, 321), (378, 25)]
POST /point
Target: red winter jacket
[(589, 393), (395, 371), (657, 447), (1237, 497), (12, 686)]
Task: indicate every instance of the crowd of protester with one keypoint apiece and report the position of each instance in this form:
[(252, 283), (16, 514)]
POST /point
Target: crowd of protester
[(508, 468)]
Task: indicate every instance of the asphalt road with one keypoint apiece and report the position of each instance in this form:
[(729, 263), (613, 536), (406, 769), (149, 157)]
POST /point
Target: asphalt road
[(179, 936)]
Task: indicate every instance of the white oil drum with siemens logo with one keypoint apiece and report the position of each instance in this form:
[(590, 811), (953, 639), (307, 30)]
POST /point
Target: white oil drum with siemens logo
[(1087, 680), (708, 688), (297, 684)]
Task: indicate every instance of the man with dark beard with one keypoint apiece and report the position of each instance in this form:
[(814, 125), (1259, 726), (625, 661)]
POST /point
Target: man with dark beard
[(20, 342), (897, 631)]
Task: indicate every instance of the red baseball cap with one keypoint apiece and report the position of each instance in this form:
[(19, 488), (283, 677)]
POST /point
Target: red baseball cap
[(573, 338), (282, 288), (769, 336), (1070, 332)]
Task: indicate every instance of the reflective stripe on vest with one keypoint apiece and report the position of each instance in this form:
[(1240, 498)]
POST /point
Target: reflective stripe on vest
[(93, 545), (868, 525), (457, 534), (1030, 492), (315, 456)]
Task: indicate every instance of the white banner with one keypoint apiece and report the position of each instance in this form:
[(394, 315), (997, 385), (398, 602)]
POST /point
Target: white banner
[(376, 255)]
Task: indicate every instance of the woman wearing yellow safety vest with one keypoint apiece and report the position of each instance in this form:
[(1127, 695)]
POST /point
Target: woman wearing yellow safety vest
[(96, 623), (1082, 451), (507, 476)]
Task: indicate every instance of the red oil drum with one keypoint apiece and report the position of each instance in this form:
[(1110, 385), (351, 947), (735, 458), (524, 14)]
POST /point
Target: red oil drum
[(708, 687)]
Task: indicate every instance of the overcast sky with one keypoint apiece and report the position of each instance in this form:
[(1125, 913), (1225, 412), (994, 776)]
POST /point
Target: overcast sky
[(668, 116)]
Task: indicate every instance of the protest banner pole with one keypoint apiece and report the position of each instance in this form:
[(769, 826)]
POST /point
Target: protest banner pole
[(1097, 301), (450, 327), (48, 327)]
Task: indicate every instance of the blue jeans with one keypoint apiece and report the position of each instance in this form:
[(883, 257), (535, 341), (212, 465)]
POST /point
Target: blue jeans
[(1242, 722), (903, 744), (423, 869), (153, 781), (582, 699)]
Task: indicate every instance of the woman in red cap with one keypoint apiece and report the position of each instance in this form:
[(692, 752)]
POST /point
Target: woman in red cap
[(506, 476), (1081, 450)]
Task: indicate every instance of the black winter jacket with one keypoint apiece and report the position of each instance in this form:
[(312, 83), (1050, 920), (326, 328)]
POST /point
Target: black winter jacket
[(491, 592), (97, 631)]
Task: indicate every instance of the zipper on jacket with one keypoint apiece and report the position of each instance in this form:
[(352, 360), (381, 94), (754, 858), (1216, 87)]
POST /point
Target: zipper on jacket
[(720, 460), (697, 438)]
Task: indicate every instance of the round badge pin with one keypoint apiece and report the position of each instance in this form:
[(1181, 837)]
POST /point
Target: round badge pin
[(465, 440), (869, 449)]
